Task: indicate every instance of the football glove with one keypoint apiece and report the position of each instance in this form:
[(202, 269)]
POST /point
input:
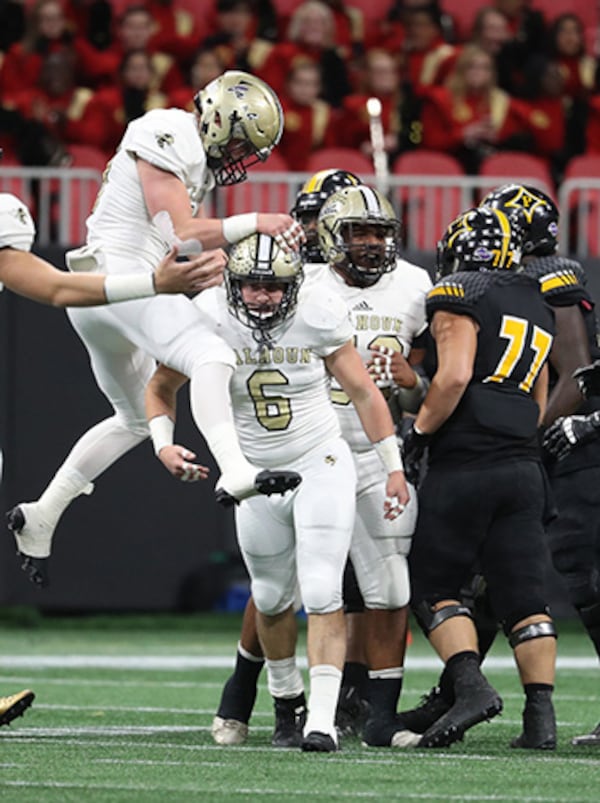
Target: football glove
[(413, 449), (567, 433), (588, 379)]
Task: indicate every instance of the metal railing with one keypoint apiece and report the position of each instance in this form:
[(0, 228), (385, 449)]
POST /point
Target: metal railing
[(61, 199)]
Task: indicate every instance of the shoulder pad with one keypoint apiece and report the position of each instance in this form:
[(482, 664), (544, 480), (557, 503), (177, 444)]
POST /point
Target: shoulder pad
[(562, 281), (324, 311), (459, 290), (17, 228)]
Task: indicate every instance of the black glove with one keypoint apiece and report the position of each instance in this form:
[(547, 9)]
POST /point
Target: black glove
[(572, 431), (413, 449), (588, 379)]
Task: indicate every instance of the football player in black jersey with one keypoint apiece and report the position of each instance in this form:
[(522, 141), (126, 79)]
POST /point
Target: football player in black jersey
[(482, 500), (573, 534)]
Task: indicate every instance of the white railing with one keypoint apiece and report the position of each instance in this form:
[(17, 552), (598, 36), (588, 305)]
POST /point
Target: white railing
[(61, 199)]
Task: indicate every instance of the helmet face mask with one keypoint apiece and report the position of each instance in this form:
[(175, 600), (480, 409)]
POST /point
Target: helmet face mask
[(359, 234), (241, 121), (258, 261), (539, 215), (482, 238), (309, 200)]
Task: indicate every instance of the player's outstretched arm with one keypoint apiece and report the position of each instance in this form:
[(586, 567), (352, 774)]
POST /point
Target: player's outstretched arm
[(161, 410), (30, 276)]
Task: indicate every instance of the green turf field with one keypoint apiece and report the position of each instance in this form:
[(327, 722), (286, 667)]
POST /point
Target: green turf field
[(124, 706)]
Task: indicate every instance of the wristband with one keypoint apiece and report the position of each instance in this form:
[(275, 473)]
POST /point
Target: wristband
[(161, 432), (129, 287), (237, 227), (389, 454)]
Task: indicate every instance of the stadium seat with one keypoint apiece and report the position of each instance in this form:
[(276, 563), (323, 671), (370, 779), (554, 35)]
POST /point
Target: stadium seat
[(426, 209), (584, 205), (522, 168), (87, 156), (343, 158), (260, 195)]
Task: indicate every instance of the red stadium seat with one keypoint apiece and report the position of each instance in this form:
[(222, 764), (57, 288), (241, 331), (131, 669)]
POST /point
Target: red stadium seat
[(516, 166), (343, 158), (584, 205), (426, 209), (260, 195)]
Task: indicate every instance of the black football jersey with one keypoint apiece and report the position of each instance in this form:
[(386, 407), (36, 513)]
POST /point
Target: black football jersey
[(497, 415)]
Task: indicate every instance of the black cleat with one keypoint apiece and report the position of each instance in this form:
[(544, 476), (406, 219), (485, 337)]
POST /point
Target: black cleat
[(36, 569), (290, 716), (588, 739), (15, 705), (476, 702), (539, 724), (351, 713), (317, 742), (389, 732), (430, 709), (266, 482)]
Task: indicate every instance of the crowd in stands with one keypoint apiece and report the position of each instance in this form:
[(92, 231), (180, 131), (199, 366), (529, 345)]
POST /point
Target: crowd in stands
[(519, 77)]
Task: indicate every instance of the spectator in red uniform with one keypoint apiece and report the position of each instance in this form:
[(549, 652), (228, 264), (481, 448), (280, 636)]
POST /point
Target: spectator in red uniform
[(135, 29), (310, 37), (309, 122), (235, 37), (206, 66), (381, 79), (471, 117), (566, 38), (112, 108), (427, 57), (48, 32)]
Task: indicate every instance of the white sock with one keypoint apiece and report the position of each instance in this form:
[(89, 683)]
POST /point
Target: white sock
[(66, 485), (284, 678), (325, 682)]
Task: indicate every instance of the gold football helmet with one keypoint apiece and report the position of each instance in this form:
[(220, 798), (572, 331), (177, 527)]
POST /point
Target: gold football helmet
[(259, 260), (359, 234), (241, 121)]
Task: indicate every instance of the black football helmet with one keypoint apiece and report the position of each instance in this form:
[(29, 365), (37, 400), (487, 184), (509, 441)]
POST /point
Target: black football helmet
[(539, 216), (482, 238), (311, 197), (258, 259)]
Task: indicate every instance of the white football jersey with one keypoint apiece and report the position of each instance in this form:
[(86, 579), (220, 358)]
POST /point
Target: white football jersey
[(281, 395), (17, 229), (390, 313), (168, 139)]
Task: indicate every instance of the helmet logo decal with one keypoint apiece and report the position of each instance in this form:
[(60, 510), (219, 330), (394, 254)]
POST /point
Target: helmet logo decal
[(239, 90), (526, 202)]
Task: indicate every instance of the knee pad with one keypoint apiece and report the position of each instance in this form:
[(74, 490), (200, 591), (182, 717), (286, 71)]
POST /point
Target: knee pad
[(530, 632), (519, 614), (320, 596), (137, 427), (429, 619), (353, 600), (269, 598), (391, 584)]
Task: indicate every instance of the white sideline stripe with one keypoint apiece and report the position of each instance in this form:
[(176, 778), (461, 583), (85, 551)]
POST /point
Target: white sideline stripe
[(424, 756), (184, 662), (257, 792)]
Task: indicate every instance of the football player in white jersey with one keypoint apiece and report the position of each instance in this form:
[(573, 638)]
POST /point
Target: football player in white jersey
[(284, 416), (167, 161), (356, 257), (32, 277)]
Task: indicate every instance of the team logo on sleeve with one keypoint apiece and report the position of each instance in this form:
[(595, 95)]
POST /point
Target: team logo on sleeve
[(164, 139)]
